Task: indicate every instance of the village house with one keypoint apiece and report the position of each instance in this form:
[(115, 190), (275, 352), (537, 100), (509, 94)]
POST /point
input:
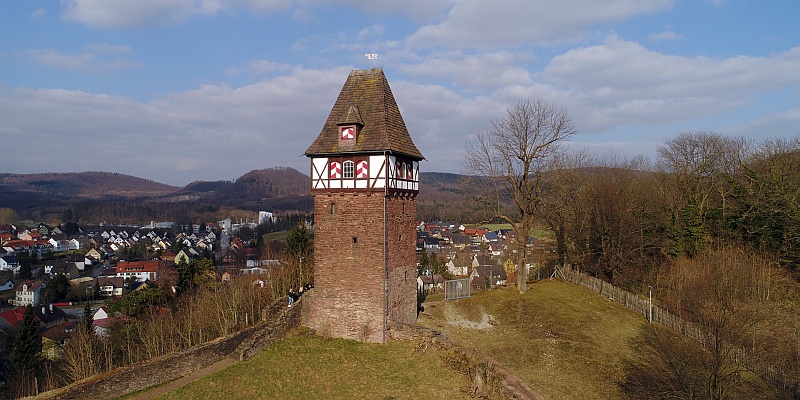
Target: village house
[(29, 292), (141, 270), (79, 260), (67, 268), (460, 269), (428, 283), (110, 286), (183, 256), (54, 339), (9, 285), (490, 274), (102, 321), (95, 254), (168, 256), (9, 263), (30, 235)]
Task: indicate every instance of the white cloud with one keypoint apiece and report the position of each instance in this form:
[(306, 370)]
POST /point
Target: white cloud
[(92, 61), (419, 10), (259, 67), (39, 13), (482, 24), (213, 132), (107, 48), (55, 59), (477, 71), (137, 13), (781, 124), (621, 82), (666, 35)]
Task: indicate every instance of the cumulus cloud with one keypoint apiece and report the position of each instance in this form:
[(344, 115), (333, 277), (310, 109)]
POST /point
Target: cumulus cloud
[(781, 124), (177, 138), (474, 71), (419, 10), (137, 13), (622, 82), (481, 24)]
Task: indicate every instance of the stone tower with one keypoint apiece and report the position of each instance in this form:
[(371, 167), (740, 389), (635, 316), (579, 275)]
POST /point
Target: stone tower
[(365, 180)]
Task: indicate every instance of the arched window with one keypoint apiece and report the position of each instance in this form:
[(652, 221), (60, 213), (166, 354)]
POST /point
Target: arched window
[(347, 169)]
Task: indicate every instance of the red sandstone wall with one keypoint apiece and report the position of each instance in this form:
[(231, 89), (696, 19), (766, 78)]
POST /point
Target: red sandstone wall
[(348, 295)]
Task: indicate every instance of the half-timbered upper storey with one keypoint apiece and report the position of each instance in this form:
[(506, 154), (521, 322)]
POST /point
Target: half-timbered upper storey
[(364, 144)]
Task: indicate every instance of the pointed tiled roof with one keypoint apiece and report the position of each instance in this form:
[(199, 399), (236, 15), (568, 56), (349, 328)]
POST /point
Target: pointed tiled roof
[(366, 100)]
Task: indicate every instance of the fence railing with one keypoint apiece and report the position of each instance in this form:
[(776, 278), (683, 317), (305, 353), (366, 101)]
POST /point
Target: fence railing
[(740, 356)]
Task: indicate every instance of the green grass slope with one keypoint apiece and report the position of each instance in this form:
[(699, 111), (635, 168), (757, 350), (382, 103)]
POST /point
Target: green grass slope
[(312, 367), (563, 340)]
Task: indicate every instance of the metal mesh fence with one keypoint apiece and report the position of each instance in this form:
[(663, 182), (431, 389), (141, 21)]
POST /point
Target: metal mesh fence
[(457, 289)]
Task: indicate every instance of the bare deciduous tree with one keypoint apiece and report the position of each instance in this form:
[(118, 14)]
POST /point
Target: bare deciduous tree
[(738, 300), (693, 166), (508, 163)]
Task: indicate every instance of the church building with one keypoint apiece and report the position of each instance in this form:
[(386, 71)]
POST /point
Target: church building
[(365, 180)]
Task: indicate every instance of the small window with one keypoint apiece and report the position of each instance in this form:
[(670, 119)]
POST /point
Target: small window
[(333, 208), (347, 169), (348, 133), (355, 240)]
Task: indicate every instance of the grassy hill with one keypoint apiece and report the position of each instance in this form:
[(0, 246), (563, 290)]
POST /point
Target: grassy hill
[(563, 340), (311, 367)]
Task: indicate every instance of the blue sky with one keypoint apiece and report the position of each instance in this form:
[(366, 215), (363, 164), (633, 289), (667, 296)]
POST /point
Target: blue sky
[(183, 90)]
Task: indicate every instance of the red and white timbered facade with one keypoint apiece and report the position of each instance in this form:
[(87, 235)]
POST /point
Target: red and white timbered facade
[(367, 172)]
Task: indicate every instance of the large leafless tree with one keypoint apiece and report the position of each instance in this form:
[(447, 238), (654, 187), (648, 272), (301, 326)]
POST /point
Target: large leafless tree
[(508, 164)]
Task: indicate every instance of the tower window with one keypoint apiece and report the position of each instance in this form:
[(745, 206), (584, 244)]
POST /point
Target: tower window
[(347, 169), (333, 208), (348, 133), (355, 240)]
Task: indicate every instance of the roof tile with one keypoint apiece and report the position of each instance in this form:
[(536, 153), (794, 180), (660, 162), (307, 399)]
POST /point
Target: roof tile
[(366, 99)]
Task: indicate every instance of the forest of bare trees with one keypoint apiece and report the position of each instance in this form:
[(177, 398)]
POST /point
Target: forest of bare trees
[(712, 225)]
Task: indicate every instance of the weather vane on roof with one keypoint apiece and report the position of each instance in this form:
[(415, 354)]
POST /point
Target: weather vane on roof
[(373, 57)]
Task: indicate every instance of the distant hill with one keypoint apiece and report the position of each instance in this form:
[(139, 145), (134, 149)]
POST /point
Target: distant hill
[(256, 184), (106, 196), (94, 185), (113, 197)]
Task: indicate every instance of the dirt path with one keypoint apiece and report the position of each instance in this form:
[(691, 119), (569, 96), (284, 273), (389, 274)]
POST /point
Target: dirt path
[(231, 359), (182, 381)]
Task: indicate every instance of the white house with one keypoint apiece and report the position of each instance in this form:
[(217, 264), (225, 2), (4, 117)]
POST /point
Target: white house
[(9, 263), (430, 282), (456, 270), (110, 286), (29, 293), (141, 270)]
